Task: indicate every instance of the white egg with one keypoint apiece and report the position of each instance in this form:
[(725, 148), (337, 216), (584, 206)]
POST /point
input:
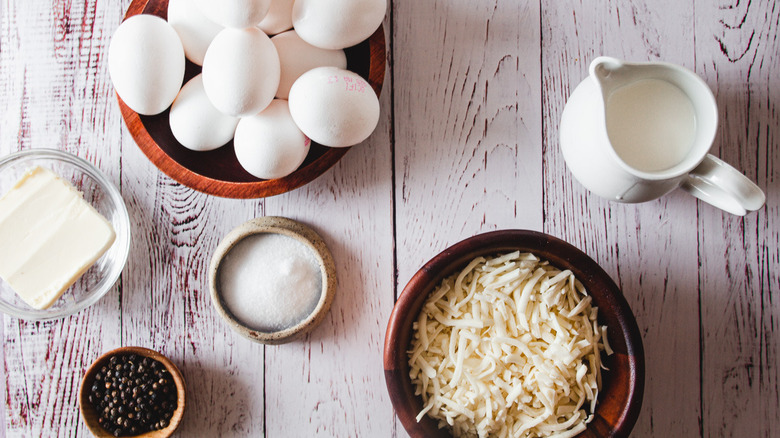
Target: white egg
[(146, 63), (334, 107), (194, 121), (195, 30), (279, 17), (235, 13), (241, 71), (269, 145), (337, 24), (296, 57)]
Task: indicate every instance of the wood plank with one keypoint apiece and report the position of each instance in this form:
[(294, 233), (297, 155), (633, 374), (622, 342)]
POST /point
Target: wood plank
[(331, 382), (167, 306), (51, 54), (467, 127), (737, 51), (227, 370), (649, 249)]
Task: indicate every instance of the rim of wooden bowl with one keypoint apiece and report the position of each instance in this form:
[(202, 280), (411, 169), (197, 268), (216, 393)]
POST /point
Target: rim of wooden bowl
[(299, 232), (620, 399), (310, 170), (90, 416)]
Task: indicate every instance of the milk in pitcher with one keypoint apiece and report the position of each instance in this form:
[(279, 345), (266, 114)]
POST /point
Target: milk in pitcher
[(651, 124)]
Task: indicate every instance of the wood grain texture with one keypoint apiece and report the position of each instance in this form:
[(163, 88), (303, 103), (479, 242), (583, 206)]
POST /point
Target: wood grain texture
[(737, 48), (468, 142), (53, 53), (330, 383), (649, 249), (467, 125), (167, 306)]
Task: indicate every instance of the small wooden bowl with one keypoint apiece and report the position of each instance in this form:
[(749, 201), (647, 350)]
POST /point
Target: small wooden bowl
[(299, 232), (620, 398), (218, 172), (90, 416)]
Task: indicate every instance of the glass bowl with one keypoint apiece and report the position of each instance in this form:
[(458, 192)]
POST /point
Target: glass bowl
[(105, 198)]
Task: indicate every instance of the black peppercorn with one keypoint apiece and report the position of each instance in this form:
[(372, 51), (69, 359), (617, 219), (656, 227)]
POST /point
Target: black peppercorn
[(133, 395)]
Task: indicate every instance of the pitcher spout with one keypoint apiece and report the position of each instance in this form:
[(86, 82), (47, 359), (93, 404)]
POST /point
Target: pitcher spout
[(602, 67), (610, 73)]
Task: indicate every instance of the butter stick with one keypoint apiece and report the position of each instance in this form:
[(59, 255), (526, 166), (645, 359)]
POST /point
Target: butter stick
[(49, 236)]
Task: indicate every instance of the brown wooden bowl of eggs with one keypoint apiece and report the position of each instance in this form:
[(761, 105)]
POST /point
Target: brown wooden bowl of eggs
[(500, 337), (218, 171)]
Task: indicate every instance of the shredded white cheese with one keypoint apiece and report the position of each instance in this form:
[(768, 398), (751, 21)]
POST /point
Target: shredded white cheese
[(509, 347)]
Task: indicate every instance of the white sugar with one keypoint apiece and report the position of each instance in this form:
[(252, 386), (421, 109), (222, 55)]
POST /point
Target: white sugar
[(270, 281)]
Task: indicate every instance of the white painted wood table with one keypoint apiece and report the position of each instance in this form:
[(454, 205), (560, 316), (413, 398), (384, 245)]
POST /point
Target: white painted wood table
[(467, 143)]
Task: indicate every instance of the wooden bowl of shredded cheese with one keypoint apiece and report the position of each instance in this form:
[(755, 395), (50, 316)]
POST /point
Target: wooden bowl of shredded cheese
[(514, 334)]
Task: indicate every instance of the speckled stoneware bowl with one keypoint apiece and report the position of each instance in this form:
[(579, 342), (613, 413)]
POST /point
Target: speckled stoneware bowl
[(299, 232)]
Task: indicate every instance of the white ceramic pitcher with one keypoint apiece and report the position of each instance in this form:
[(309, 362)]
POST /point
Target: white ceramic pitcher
[(590, 127)]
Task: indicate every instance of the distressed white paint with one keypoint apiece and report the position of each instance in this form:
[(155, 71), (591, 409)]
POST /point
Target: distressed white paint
[(738, 49), (649, 249), (467, 143)]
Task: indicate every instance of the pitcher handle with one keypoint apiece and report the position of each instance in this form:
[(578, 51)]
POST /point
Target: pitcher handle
[(717, 183)]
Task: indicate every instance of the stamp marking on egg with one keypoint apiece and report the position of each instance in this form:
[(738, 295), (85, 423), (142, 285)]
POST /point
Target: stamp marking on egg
[(333, 106), (358, 85)]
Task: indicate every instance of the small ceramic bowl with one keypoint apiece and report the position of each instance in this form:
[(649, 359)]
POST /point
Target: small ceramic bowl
[(620, 398), (286, 227), (90, 416), (218, 172), (105, 198)]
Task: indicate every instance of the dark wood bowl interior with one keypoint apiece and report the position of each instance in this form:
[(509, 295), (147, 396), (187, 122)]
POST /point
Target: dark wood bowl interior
[(218, 172), (620, 398), (90, 415)]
